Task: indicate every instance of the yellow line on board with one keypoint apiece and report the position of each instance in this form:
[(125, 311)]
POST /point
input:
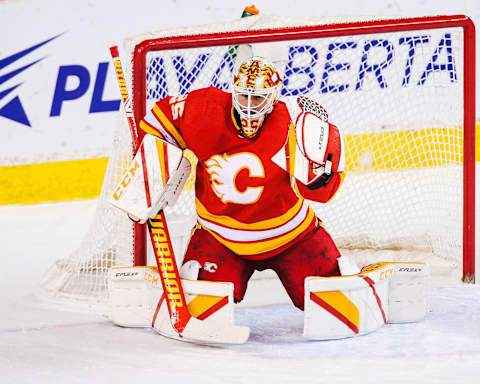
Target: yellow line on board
[(53, 181), (82, 179)]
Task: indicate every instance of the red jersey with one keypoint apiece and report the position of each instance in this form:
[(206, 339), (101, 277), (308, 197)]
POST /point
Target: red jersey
[(243, 199)]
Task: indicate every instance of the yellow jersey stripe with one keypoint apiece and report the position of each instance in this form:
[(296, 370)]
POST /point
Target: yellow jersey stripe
[(244, 236), (169, 127), (162, 160), (258, 247), (229, 222), (147, 128), (292, 148)]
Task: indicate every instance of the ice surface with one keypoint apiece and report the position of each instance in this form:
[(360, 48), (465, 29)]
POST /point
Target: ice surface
[(42, 343), (45, 343)]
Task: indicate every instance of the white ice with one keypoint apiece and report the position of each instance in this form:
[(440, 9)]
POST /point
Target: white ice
[(45, 343)]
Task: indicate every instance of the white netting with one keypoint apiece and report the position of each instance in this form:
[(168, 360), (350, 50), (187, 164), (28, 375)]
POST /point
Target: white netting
[(109, 240), (397, 97)]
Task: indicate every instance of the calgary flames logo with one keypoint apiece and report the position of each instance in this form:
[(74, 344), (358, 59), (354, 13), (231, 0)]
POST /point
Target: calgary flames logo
[(223, 170)]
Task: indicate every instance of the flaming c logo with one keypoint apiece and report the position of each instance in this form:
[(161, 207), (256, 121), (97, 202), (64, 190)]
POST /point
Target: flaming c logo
[(223, 170)]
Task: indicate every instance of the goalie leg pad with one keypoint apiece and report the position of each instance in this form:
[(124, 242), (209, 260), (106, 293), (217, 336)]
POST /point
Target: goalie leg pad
[(347, 306), (409, 292), (132, 296), (136, 300)]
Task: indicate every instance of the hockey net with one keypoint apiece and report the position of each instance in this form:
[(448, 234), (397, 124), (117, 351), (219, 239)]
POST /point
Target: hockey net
[(401, 91)]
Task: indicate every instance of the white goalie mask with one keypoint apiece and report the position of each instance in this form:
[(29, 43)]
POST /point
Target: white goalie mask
[(256, 89)]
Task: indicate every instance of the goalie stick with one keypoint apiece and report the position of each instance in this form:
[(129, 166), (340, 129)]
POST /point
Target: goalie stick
[(157, 227), (187, 327)]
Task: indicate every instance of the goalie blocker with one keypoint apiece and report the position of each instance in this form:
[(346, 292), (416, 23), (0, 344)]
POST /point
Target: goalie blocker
[(143, 190)]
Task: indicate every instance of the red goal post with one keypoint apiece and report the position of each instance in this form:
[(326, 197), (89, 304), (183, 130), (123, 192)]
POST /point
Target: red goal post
[(338, 30), (402, 91)]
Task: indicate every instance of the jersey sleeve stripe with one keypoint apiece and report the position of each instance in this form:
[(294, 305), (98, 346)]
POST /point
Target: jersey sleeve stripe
[(163, 161), (292, 148), (295, 186), (259, 225), (168, 126), (150, 124), (147, 128)]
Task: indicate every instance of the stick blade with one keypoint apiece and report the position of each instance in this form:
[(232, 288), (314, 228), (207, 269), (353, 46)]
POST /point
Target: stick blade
[(202, 332)]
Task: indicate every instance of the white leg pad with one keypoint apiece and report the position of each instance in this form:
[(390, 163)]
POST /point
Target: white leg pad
[(409, 292), (132, 296), (346, 306), (135, 301)]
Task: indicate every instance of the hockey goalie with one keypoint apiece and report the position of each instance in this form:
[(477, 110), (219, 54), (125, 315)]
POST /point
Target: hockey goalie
[(260, 160)]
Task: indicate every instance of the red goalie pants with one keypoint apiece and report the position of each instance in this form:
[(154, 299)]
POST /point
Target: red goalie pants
[(314, 255)]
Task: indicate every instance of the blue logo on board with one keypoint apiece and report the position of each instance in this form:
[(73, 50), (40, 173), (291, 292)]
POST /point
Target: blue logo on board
[(14, 109)]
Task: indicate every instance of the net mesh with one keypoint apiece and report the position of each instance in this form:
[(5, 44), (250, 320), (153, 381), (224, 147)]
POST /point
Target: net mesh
[(109, 240)]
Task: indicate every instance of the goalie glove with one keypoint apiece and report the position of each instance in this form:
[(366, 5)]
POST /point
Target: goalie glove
[(319, 149), (318, 140)]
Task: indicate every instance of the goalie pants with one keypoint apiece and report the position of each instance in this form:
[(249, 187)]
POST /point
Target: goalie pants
[(314, 255)]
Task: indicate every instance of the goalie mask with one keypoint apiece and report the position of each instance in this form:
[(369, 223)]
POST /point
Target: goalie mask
[(256, 89)]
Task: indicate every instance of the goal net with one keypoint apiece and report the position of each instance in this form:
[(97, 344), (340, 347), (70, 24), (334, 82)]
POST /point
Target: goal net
[(400, 90)]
